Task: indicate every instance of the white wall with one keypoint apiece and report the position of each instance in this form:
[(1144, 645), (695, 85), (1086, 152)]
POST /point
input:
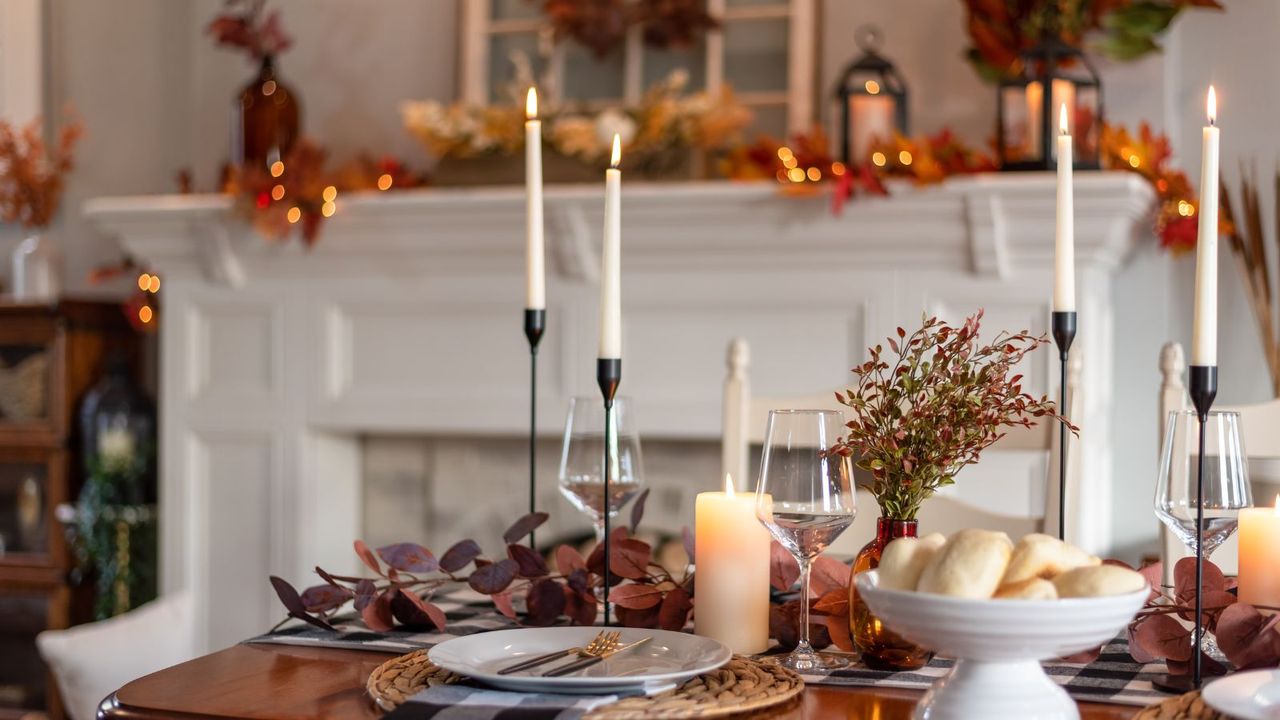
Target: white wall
[(155, 96)]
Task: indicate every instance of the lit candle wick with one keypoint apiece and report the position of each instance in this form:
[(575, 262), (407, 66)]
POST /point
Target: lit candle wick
[(1062, 118), (1212, 107), (728, 489), (617, 151)]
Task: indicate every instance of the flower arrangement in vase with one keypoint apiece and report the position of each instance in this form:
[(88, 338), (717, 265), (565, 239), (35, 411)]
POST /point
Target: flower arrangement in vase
[(918, 418), (267, 111), (31, 182)]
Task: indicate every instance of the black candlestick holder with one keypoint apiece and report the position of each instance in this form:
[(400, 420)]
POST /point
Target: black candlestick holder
[(535, 323), (1203, 389), (1064, 333), (608, 376)]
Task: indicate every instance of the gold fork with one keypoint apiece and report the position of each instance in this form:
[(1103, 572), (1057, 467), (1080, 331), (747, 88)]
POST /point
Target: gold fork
[(599, 645)]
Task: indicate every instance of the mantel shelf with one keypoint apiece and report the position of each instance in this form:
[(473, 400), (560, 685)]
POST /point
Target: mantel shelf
[(991, 224)]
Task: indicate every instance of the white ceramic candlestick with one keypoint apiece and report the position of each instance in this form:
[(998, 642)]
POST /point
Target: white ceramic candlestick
[(732, 581), (1260, 555), (1064, 262), (1204, 334), (535, 266), (611, 260)]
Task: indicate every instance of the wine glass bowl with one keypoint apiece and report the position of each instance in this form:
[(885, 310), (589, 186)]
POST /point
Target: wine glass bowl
[(1226, 477), (805, 498), (582, 457)]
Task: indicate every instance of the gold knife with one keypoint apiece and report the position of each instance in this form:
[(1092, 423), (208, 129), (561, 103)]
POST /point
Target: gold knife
[(588, 662)]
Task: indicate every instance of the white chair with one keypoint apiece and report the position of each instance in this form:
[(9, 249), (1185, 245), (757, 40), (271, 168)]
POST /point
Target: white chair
[(1258, 430), (91, 661), (745, 417)]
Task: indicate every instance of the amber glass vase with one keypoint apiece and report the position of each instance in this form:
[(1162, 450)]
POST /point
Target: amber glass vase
[(266, 118), (880, 648)]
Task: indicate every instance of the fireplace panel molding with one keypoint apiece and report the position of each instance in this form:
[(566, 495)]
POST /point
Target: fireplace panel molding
[(405, 319)]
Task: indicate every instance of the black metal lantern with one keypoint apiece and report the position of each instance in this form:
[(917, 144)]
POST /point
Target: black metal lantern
[(118, 425), (1051, 74), (872, 99)]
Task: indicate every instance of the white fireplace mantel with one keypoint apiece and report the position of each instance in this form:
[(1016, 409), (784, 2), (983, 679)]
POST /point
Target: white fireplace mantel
[(405, 318)]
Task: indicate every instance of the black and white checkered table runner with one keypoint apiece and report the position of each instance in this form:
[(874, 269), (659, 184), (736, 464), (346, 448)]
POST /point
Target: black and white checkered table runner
[(1113, 678)]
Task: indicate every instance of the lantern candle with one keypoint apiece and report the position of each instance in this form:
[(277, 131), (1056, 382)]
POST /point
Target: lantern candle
[(1260, 555), (732, 581), (871, 116)]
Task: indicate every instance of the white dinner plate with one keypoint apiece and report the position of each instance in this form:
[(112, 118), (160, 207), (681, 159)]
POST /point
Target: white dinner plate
[(1251, 695), (670, 657)]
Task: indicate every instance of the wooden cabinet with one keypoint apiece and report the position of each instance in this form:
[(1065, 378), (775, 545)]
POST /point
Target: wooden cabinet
[(50, 355)]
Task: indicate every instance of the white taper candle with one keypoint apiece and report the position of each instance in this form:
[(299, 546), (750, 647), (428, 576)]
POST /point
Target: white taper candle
[(611, 260), (535, 263), (1204, 333), (1064, 257)]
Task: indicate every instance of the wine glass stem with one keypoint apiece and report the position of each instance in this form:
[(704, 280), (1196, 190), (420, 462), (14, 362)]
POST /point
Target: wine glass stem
[(804, 647)]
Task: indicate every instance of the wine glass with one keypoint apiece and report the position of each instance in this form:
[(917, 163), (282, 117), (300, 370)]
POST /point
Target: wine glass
[(582, 456), (1226, 477), (805, 498)]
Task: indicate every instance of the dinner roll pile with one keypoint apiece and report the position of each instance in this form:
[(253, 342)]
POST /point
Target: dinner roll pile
[(982, 564)]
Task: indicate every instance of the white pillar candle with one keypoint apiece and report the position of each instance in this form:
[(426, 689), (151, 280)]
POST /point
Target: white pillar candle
[(872, 119), (1260, 555), (1064, 257), (732, 579), (1204, 333), (535, 264), (611, 260)]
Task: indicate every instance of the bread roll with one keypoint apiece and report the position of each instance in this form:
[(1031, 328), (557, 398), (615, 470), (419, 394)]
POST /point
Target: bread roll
[(1030, 589), (1044, 556), (970, 565), (1098, 581), (905, 558)]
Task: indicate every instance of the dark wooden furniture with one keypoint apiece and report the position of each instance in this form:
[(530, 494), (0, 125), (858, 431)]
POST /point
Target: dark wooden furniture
[(292, 683), (50, 355)]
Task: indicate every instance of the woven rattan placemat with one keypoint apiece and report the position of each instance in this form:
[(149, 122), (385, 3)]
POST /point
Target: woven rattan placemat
[(743, 685), (1181, 707)]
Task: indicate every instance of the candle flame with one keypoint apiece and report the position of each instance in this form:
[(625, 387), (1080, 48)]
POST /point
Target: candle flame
[(531, 104), (728, 487), (1278, 504), (617, 151), (1062, 118), (1212, 106)]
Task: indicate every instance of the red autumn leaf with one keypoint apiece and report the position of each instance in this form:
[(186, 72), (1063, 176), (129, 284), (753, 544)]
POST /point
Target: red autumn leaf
[(568, 560), (322, 598), (1136, 651), (834, 602), (646, 618), (636, 596), (365, 592), (367, 557), (783, 569), (529, 562), (580, 607), (545, 602), (522, 527), (457, 557), (431, 610), (1162, 636), (408, 557), (502, 601), (838, 628), (1248, 638), (377, 614), (1154, 575), (293, 602), (494, 577), (629, 558), (828, 574), (674, 612), (1184, 579)]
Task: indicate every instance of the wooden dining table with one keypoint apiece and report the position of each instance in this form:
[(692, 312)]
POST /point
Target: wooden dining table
[(285, 682)]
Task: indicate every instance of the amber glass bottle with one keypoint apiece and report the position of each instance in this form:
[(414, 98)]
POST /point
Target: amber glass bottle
[(266, 119), (880, 648)]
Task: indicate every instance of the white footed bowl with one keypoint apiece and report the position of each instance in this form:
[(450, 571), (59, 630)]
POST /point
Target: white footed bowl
[(998, 646)]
